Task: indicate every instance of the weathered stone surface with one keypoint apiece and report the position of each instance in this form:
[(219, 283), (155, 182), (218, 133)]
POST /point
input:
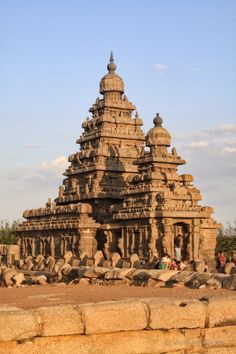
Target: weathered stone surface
[(114, 316), (181, 277), (221, 350), (166, 314), (163, 275), (198, 280), (220, 337), (230, 283), (55, 345), (60, 320), (96, 207), (140, 342), (221, 311), (17, 324), (228, 267), (142, 275), (119, 273)]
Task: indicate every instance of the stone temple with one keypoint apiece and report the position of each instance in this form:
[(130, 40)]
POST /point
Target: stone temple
[(121, 192)]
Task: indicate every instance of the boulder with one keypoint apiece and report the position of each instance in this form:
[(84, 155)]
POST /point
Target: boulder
[(99, 258), (18, 279), (230, 283), (135, 261), (118, 273), (228, 267), (199, 280), (115, 259), (163, 275)]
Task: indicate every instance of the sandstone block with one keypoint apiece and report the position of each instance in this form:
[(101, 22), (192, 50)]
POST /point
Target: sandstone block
[(166, 314), (17, 324), (55, 345), (140, 342), (220, 337), (60, 320), (221, 311), (221, 350), (118, 273), (106, 317), (163, 275)]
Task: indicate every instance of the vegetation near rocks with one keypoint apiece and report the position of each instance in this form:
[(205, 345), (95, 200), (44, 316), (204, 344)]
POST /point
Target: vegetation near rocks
[(8, 232), (226, 240)]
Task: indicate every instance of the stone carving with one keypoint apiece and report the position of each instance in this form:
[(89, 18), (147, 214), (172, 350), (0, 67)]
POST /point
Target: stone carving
[(125, 183)]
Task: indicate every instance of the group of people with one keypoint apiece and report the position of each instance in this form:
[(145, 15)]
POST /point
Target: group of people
[(168, 263)]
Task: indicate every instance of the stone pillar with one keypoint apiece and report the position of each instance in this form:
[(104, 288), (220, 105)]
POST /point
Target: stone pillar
[(132, 241), (168, 238), (121, 242), (190, 245), (196, 237), (87, 242), (32, 247), (152, 250), (52, 246)]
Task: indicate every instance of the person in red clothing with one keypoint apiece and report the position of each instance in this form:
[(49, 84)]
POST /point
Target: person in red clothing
[(222, 261)]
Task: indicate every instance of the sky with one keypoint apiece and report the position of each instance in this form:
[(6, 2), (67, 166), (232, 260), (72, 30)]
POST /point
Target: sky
[(177, 58)]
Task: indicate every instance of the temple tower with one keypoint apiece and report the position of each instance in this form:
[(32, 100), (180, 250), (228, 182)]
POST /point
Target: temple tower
[(112, 140), (159, 205)]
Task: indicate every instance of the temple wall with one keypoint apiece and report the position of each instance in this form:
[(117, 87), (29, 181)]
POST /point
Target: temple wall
[(123, 327)]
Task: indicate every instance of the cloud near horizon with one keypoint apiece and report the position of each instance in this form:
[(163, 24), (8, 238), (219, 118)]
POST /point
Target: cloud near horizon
[(210, 156)]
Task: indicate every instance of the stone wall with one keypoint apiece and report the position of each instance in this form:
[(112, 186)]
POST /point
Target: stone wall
[(131, 326)]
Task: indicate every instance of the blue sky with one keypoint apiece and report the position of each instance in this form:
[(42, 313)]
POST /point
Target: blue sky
[(176, 57)]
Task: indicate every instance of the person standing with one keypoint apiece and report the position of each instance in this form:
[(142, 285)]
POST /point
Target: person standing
[(177, 247)]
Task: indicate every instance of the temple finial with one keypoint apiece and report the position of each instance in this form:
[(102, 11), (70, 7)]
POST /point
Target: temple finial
[(157, 120), (111, 57), (111, 67)]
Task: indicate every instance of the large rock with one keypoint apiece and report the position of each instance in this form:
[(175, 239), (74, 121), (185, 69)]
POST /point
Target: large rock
[(230, 283), (199, 280), (228, 267), (119, 273), (163, 275), (181, 278)]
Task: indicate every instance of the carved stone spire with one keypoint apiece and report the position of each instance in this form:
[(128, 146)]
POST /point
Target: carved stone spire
[(158, 120), (111, 67)]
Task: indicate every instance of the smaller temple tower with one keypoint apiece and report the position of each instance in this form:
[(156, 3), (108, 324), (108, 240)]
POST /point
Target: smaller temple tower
[(160, 205)]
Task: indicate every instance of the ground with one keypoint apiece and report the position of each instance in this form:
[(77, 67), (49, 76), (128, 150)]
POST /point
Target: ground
[(37, 296)]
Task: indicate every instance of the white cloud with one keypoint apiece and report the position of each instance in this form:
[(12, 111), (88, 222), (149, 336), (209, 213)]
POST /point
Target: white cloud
[(54, 165), (160, 68), (210, 157)]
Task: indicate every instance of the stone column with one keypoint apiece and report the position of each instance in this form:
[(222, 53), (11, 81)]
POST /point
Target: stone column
[(87, 242), (121, 242), (167, 241), (196, 238), (52, 246), (33, 247), (152, 242)]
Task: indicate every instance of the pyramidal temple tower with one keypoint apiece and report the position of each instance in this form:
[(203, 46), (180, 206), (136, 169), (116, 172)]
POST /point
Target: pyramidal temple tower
[(122, 192)]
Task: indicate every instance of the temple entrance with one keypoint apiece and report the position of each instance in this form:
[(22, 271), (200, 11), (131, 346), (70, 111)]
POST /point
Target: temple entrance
[(181, 238)]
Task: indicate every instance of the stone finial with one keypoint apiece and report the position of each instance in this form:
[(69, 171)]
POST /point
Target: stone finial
[(111, 67), (136, 114), (158, 120)]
